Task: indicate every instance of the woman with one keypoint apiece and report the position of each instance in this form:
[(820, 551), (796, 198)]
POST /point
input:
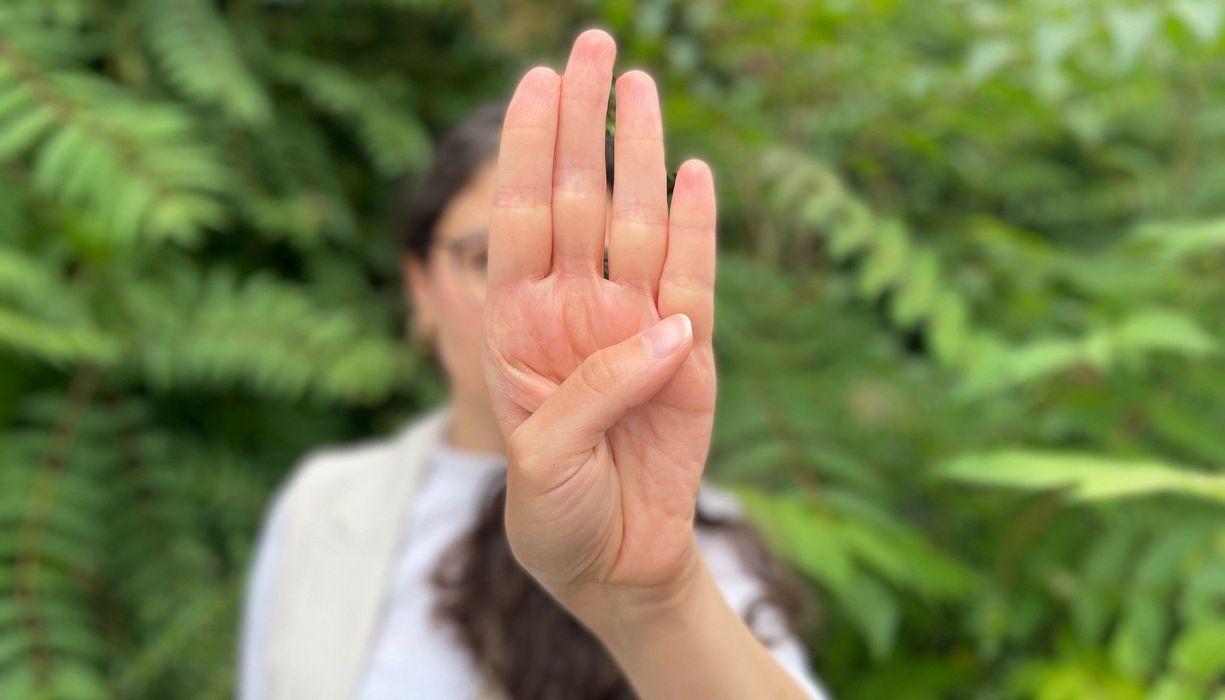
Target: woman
[(581, 398)]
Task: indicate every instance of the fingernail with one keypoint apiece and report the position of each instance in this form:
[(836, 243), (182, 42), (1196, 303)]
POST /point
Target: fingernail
[(665, 337)]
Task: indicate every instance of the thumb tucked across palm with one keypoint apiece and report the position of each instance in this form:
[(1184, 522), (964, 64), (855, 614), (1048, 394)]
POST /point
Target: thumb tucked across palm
[(604, 388)]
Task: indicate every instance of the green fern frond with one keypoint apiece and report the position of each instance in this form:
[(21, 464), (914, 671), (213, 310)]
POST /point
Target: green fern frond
[(58, 13), (132, 169), (180, 593), (265, 335), (55, 343), (200, 58), (394, 140), (1148, 601), (202, 613), (50, 30), (295, 193), (40, 318), (849, 554), (49, 646), (1177, 240), (890, 265), (917, 294), (1128, 343)]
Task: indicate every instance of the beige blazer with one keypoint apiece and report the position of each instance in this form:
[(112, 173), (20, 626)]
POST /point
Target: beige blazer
[(343, 512)]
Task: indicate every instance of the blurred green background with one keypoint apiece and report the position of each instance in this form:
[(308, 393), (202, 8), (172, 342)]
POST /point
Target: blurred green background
[(969, 325)]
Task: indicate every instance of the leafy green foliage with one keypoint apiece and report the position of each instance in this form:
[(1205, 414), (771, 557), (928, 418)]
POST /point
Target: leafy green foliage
[(199, 57), (1085, 477), (394, 142), (129, 168), (196, 287), (968, 327)]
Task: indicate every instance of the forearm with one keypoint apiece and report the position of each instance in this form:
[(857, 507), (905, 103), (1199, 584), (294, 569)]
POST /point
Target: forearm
[(696, 647)]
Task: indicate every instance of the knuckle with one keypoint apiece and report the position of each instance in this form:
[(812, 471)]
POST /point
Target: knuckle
[(519, 450), (688, 287), (525, 462), (579, 181), (690, 225), (645, 214), (512, 197), (580, 99)]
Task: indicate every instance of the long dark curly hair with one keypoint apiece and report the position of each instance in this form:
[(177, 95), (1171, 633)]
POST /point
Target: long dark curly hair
[(514, 630)]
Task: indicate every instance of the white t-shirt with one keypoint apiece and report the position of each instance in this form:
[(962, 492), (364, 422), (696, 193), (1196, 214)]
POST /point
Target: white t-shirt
[(418, 656)]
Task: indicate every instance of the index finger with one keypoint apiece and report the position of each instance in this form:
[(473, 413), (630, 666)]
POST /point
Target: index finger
[(521, 227)]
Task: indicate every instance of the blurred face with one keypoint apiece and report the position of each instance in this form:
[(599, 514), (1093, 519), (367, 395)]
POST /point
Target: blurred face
[(447, 293)]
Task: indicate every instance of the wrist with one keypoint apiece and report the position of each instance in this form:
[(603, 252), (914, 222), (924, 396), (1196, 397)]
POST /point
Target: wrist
[(623, 618), (684, 640)]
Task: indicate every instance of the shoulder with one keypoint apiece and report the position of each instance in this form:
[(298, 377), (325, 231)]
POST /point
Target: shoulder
[(310, 483), (326, 472)]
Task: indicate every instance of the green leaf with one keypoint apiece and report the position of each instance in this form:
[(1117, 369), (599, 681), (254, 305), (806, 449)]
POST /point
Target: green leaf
[(986, 58), (889, 254), (1179, 239), (1136, 646), (1162, 330), (1052, 41), (1083, 477), (394, 141), (803, 535), (1199, 652), (1175, 689), (1203, 18), (1132, 28), (199, 57), (875, 613)]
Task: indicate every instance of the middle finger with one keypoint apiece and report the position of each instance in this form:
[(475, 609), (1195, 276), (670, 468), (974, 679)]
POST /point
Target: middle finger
[(579, 180)]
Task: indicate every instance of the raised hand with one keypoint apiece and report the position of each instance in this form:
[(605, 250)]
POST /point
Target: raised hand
[(604, 388)]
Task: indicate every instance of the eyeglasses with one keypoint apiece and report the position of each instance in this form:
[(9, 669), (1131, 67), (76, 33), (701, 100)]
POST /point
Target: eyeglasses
[(469, 255)]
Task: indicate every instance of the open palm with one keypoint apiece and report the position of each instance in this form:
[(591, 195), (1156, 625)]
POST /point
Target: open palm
[(607, 410)]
